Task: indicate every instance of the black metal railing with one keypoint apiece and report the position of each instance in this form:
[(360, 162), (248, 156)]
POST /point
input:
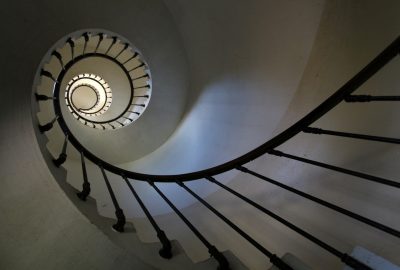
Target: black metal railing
[(344, 94)]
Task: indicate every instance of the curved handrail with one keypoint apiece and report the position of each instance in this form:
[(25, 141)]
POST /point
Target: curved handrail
[(367, 72)]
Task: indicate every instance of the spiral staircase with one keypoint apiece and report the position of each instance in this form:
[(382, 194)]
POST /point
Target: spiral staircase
[(71, 103)]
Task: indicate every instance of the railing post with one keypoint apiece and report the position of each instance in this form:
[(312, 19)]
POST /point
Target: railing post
[(134, 68), (114, 40), (72, 45), (119, 226), (59, 57), (361, 175), (319, 131), (48, 74), (130, 58), (369, 98), (123, 49), (86, 37), (86, 185), (165, 251), (139, 105), (63, 156), (101, 36), (141, 77), (48, 126), (40, 97)]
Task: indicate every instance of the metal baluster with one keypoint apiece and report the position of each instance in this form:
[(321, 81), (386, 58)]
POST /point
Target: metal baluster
[(129, 59), (48, 74), (43, 97), (351, 135), (86, 37), (101, 37), (86, 185), (119, 226), (338, 169), (144, 86), (134, 68), (48, 126), (141, 77), (63, 156), (165, 251), (59, 57), (369, 98), (71, 45), (123, 49), (114, 40)]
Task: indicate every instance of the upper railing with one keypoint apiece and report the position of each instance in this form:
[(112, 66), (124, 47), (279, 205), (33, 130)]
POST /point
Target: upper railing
[(344, 94)]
